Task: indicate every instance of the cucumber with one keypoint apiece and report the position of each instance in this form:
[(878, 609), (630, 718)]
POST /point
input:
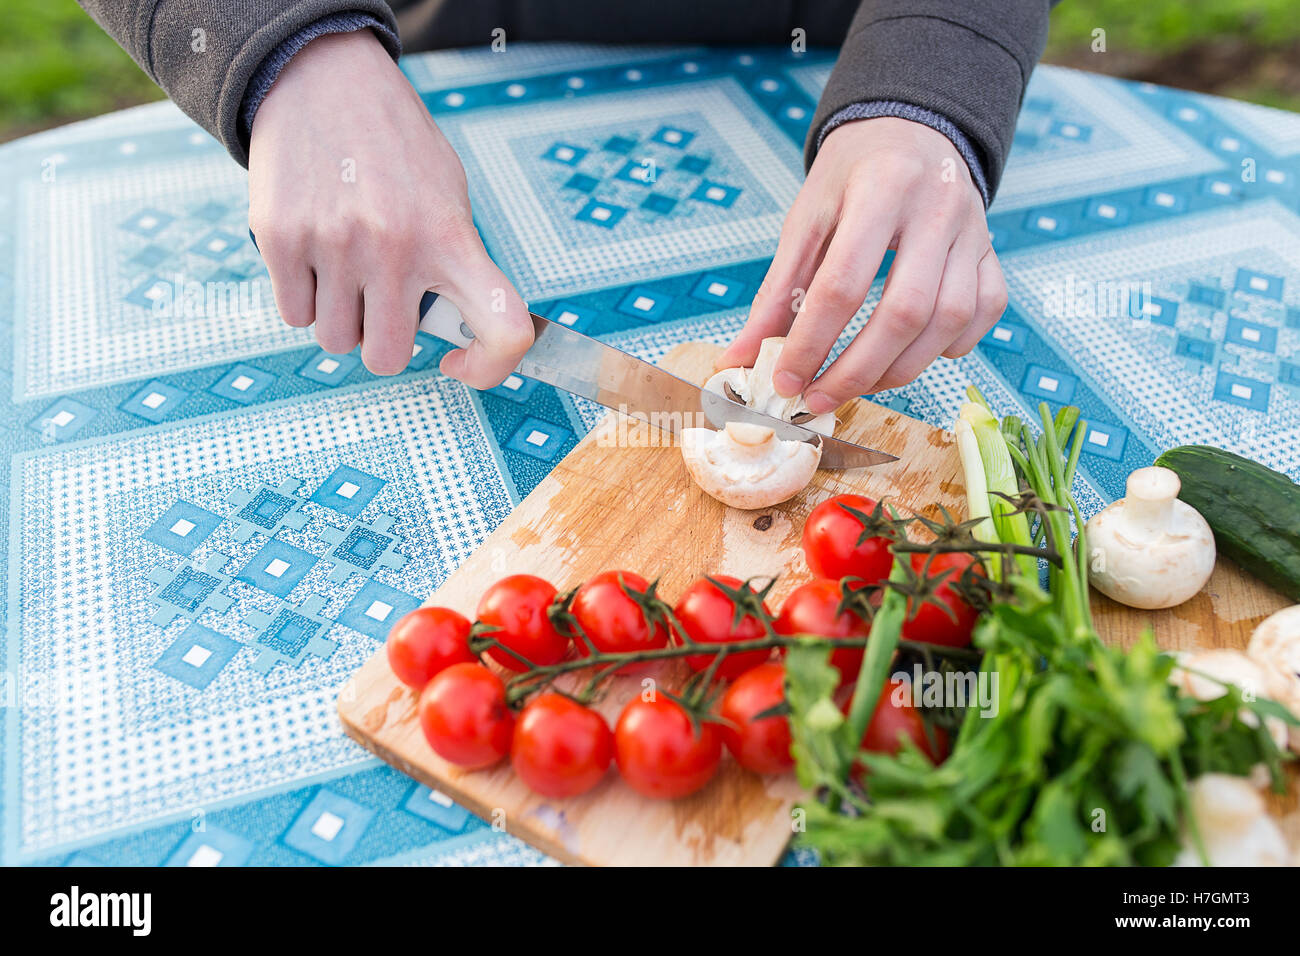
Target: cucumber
[(1254, 511)]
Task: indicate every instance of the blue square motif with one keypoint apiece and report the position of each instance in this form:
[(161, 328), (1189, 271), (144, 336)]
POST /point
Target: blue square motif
[(658, 202), (539, 439), (347, 490), (182, 528), (1198, 350), (577, 317), (217, 244), (1251, 335), (197, 656), (212, 846), (1161, 311), (717, 290), (1205, 295), (155, 401), (1007, 335), (514, 388), (601, 214), (62, 420), (636, 171), (189, 590), (329, 827), (148, 291), (436, 807), (641, 303), (718, 194), (619, 144), (329, 369), (375, 608), (565, 153), (1049, 383), (1108, 441), (1259, 283), (1238, 390), (148, 222), (276, 568), (242, 384), (694, 165), (672, 136), (582, 182)]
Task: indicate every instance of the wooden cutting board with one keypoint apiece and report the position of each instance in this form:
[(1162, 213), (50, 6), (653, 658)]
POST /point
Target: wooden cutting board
[(635, 508)]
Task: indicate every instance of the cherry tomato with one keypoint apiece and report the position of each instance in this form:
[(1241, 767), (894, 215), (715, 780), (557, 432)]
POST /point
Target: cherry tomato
[(813, 608), (896, 717), (706, 614), (615, 621), (464, 716), (660, 752), (426, 642), (832, 545), (931, 623), (762, 746), (560, 748), (517, 606)]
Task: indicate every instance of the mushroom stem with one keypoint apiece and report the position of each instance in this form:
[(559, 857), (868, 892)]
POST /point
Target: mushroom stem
[(1149, 496)]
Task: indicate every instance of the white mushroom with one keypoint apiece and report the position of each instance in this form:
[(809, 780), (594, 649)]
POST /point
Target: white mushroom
[(1149, 549), (1234, 825), (744, 465), (1276, 644), (747, 466), (1203, 673), (753, 386)]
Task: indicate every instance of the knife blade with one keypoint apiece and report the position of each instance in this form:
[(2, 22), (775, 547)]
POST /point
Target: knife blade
[(577, 363)]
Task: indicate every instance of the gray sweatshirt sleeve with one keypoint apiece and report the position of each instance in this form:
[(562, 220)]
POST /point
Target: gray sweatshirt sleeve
[(204, 52), (968, 61)]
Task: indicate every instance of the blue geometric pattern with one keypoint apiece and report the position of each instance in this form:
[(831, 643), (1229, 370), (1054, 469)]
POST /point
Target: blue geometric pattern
[(212, 523)]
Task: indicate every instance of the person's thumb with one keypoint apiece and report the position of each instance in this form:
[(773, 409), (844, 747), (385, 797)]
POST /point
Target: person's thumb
[(496, 315)]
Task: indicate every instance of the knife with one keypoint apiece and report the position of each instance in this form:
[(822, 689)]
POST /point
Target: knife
[(577, 363), (584, 366)]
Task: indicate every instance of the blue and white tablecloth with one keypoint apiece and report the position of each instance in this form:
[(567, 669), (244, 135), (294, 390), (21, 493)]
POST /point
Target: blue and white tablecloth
[(210, 523)]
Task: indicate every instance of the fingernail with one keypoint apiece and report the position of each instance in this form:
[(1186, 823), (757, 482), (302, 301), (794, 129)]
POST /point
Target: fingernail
[(819, 403), (787, 384)]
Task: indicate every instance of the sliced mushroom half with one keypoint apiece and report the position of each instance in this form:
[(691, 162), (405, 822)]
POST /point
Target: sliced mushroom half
[(745, 465)]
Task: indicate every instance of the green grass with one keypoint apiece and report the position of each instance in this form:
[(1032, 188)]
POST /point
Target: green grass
[(56, 65), (1164, 26)]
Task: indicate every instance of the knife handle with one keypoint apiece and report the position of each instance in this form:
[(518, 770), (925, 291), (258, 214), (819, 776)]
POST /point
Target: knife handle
[(441, 319), (438, 315)]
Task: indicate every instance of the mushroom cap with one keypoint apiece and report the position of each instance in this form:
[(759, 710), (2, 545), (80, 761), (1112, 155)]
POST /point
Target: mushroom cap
[(746, 466), (1130, 565), (1215, 667), (1276, 643), (754, 387), (1234, 824)]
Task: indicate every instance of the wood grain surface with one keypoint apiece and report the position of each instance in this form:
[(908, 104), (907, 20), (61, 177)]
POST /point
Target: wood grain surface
[(621, 500)]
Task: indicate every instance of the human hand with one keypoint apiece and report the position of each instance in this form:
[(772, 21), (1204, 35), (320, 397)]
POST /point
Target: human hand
[(359, 205), (876, 184)]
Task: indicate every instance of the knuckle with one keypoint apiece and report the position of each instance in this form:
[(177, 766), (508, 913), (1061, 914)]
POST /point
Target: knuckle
[(908, 310), (952, 319), (334, 235), (839, 290), (335, 340), (453, 233)]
